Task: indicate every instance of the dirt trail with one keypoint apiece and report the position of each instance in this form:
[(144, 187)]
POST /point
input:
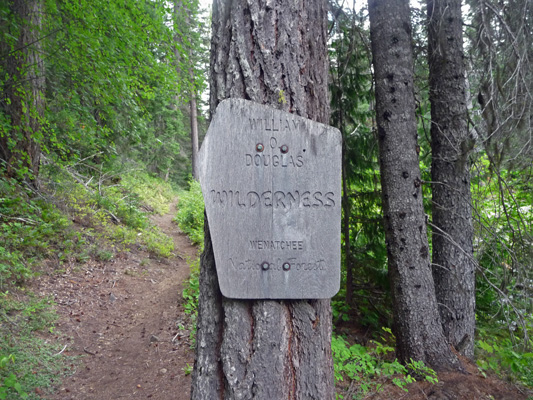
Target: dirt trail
[(122, 317)]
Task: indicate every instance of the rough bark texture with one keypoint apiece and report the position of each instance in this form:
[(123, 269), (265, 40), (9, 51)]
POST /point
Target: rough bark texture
[(24, 88), (194, 133), (272, 53), (346, 230), (416, 318), (453, 266)]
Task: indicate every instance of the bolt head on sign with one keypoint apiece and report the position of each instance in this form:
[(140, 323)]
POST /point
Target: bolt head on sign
[(271, 183)]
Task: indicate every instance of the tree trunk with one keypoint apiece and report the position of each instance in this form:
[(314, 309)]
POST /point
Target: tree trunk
[(417, 323), (346, 230), (194, 130), (179, 12), (453, 266), (20, 147), (274, 54)]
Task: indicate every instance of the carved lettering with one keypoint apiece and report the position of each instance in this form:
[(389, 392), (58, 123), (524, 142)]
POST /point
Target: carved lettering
[(279, 197), (277, 265), (330, 202), (267, 198), (256, 124), (240, 202), (276, 245), (292, 198), (253, 199), (306, 199), (318, 200), (264, 160), (277, 200), (273, 124)]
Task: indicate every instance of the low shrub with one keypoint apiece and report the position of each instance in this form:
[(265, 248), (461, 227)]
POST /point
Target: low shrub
[(506, 359), (190, 216), (152, 192), (368, 368)]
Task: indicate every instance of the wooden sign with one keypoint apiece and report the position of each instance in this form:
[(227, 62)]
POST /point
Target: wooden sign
[(271, 182)]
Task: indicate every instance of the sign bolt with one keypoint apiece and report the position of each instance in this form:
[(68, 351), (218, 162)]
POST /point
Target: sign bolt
[(259, 147), (284, 149), (265, 266), (286, 266)]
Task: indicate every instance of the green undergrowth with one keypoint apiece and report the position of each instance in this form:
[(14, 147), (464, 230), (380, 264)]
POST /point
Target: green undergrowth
[(30, 366), (190, 294), (505, 354), (151, 191), (32, 228), (360, 370), (69, 220), (190, 218), (190, 215), (114, 214)]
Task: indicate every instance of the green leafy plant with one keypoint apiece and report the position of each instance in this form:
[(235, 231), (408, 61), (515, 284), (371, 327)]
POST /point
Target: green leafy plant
[(157, 242), (190, 294), (27, 361), (190, 216), (503, 358), (187, 369), (152, 192), (370, 368), (10, 383)]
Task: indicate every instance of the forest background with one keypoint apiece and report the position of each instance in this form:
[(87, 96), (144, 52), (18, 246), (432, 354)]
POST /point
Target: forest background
[(98, 108)]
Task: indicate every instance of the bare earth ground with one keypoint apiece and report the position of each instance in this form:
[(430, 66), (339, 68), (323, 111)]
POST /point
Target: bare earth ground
[(121, 317)]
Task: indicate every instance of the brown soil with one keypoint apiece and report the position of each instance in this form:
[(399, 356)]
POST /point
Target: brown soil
[(122, 318)]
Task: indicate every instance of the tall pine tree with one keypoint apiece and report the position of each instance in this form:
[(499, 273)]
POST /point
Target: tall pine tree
[(273, 54), (416, 318)]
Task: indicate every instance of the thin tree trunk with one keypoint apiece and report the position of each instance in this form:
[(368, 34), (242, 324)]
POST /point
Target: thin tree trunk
[(273, 55), (417, 323), (346, 230), (194, 131), (453, 266), (20, 148)]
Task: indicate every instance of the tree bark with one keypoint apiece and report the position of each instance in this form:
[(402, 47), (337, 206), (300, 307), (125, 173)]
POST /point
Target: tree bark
[(276, 54), (193, 112), (346, 229), (20, 148), (417, 323), (453, 263), (182, 12)]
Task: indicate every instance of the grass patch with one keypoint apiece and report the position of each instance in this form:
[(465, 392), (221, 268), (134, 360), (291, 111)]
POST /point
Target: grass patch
[(151, 191), (190, 216), (116, 215), (30, 366)]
